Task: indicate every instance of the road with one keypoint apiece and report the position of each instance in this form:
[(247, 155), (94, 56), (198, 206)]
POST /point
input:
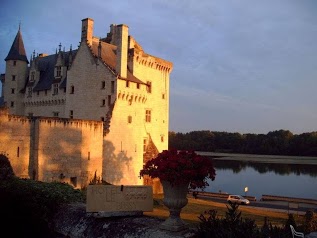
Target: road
[(301, 208)]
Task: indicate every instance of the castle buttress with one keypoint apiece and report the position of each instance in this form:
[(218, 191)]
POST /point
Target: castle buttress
[(102, 108)]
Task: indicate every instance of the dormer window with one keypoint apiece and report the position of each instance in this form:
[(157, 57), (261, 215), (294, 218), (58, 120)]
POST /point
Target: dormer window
[(58, 71)]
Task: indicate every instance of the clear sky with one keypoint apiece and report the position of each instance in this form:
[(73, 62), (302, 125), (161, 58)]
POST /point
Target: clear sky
[(245, 66)]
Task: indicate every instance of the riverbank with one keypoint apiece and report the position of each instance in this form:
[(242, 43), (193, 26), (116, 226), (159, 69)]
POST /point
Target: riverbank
[(278, 159)]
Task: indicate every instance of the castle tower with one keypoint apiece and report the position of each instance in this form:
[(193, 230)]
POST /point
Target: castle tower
[(121, 38), (15, 76)]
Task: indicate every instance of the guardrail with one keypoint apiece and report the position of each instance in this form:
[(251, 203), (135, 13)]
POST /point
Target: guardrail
[(288, 199), (219, 195)]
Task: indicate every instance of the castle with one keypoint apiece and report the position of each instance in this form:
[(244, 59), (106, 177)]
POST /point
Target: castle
[(100, 109)]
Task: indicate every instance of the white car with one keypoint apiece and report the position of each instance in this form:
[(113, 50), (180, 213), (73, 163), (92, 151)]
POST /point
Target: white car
[(237, 199)]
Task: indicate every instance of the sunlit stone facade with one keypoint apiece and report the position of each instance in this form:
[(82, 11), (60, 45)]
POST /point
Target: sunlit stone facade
[(102, 108)]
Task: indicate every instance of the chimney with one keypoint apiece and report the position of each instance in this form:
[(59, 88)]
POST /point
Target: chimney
[(122, 49), (87, 29)]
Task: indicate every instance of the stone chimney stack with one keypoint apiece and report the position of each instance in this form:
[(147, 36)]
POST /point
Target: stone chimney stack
[(121, 40), (87, 30)]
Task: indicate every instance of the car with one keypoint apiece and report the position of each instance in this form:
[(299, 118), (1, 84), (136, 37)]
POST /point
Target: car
[(237, 199)]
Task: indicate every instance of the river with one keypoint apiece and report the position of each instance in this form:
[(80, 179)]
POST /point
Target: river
[(255, 177)]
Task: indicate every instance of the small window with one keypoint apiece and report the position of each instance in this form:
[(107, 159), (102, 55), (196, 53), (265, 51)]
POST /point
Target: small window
[(64, 90), (163, 95), (88, 155), (13, 77), (102, 118), (71, 114), (109, 100), (55, 89), (147, 115), (12, 90), (55, 114), (138, 86), (38, 93), (29, 92), (14, 63), (30, 114), (72, 90), (162, 138), (112, 86), (129, 119), (18, 152), (45, 92), (103, 102), (12, 104), (103, 85), (127, 83)]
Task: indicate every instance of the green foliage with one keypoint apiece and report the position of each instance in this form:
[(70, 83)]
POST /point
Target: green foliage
[(279, 142), (31, 204), (234, 226)]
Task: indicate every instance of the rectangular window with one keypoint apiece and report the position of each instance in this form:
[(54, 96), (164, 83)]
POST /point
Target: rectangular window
[(71, 114), (112, 86), (103, 102), (103, 85), (72, 90), (102, 118), (45, 92), (29, 92), (14, 63), (129, 119), (162, 138), (12, 104), (163, 95), (55, 89), (38, 93), (88, 155), (147, 115), (30, 114), (58, 71), (18, 152), (138, 86), (12, 90), (109, 100), (13, 77), (127, 83), (55, 114)]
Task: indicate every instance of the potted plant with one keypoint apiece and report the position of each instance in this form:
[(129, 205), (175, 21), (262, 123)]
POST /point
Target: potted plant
[(178, 171)]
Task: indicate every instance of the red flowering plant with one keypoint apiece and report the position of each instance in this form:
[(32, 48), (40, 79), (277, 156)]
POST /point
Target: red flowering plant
[(179, 167)]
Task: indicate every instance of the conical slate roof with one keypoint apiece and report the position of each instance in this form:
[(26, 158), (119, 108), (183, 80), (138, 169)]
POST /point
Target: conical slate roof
[(17, 51)]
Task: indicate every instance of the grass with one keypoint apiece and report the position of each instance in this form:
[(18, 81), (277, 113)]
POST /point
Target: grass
[(196, 207)]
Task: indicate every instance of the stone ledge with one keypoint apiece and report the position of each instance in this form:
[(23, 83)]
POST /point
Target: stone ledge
[(72, 221)]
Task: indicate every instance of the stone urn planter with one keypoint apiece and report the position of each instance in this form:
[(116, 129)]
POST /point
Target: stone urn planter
[(175, 198)]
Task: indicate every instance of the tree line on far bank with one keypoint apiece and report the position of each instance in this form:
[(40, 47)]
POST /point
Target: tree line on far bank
[(279, 142)]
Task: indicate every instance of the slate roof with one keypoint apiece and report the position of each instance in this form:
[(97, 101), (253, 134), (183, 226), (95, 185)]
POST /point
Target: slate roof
[(17, 51), (108, 56), (46, 66)]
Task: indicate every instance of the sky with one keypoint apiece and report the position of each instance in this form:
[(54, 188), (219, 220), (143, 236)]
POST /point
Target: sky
[(246, 66)]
